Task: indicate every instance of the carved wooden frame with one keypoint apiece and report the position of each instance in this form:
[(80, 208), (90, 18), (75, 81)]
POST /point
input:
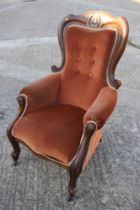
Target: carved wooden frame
[(104, 21), (93, 20), (75, 166)]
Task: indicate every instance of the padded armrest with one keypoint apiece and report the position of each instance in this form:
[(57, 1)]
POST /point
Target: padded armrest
[(102, 107), (42, 92)]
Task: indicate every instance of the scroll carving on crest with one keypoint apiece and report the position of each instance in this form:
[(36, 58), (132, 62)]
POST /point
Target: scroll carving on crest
[(95, 21)]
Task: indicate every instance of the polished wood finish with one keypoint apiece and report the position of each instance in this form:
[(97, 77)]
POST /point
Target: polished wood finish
[(16, 149), (107, 21), (67, 20), (77, 163), (22, 101)]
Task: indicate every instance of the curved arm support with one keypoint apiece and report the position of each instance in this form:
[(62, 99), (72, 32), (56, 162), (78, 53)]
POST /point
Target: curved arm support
[(42, 92), (102, 107), (77, 162)]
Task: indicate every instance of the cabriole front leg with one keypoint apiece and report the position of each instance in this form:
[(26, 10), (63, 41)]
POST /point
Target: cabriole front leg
[(16, 149), (77, 163)]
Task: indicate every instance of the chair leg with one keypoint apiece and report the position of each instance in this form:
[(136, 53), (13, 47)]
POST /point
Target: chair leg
[(74, 174), (77, 164), (16, 149)]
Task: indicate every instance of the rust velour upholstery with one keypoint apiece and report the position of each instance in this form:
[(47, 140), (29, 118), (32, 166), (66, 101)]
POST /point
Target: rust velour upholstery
[(59, 105), (85, 69), (54, 131), (61, 116)]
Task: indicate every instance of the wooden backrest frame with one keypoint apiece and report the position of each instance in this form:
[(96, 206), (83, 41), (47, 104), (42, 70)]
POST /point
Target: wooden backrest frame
[(98, 20)]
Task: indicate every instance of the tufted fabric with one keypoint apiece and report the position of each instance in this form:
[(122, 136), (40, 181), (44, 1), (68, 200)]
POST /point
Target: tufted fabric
[(86, 64), (60, 104)]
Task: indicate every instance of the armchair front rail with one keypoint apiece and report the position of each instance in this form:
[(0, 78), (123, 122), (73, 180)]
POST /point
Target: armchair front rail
[(61, 116)]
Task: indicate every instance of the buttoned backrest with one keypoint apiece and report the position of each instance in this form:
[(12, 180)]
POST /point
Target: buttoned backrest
[(87, 55), (90, 55)]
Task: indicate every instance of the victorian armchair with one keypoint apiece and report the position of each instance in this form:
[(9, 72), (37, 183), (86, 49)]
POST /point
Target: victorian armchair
[(61, 116)]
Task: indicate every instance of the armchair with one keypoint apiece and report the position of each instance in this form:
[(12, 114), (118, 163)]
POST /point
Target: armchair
[(61, 116)]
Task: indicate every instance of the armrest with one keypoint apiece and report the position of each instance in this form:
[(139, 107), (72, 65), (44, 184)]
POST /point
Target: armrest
[(76, 164), (42, 92), (102, 107)]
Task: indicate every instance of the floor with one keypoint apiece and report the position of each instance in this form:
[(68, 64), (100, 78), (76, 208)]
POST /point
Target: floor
[(28, 47)]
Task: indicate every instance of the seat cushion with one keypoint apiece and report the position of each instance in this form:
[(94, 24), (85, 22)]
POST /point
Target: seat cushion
[(54, 131)]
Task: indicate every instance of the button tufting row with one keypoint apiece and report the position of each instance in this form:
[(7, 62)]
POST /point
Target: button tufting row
[(78, 60), (78, 72), (80, 46)]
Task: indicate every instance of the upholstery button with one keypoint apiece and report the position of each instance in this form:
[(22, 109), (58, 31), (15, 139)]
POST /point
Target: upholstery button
[(77, 71), (90, 75), (94, 48), (80, 46), (78, 60), (92, 61)]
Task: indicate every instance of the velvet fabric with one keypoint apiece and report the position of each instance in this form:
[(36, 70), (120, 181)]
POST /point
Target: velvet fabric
[(58, 105), (102, 107), (86, 64), (94, 141), (42, 92), (54, 131)]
